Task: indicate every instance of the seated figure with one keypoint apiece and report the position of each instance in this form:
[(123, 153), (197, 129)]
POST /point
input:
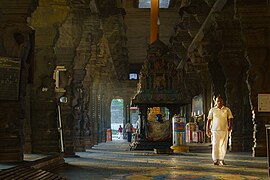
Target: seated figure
[(159, 118)]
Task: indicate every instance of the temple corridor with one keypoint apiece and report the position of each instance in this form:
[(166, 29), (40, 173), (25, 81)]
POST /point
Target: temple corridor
[(114, 161), (63, 62)]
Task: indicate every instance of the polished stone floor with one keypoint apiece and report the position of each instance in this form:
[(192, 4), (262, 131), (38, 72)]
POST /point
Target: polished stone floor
[(114, 161)]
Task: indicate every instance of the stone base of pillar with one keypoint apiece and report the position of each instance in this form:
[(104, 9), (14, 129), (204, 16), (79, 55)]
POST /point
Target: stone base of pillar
[(11, 157), (69, 152), (236, 145), (247, 144), (88, 143), (43, 144), (79, 145), (27, 147), (259, 152), (10, 147), (236, 148), (80, 149)]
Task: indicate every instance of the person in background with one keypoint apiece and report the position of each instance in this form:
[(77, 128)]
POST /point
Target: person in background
[(128, 128), (219, 125), (120, 131)]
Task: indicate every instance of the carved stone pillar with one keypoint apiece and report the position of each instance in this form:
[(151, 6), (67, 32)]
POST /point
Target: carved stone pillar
[(255, 33), (87, 83), (205, 80), (234, 67), (107, 113), (126, 110), (99, 116), (93, 112), (217, 77), (70, 35), (257, 82), (143, 120), (16, 63), (209, 50), (45, 135), (104, 110), (102, 131), (88, 121)]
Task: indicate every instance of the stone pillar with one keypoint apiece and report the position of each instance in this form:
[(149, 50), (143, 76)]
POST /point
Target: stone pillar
[(94, 116), (217, 77), (82, 63), (143, 118), (16, 65), (234, 66), (107, 114), (87, 117), (206, 95), (99, 118), (87, 86), (255, 32), (257, 82), (102, 117), (78, 110), (70, 35), (45, 135), (126, 110)]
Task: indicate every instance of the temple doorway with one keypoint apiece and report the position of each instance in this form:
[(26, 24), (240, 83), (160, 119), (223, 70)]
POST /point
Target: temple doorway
[(117, 118)]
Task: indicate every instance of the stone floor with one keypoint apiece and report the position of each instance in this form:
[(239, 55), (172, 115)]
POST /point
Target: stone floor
[(114, 161)]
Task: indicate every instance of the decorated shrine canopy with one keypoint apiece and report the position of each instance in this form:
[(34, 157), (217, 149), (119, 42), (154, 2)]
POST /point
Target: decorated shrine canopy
[(160, 82)]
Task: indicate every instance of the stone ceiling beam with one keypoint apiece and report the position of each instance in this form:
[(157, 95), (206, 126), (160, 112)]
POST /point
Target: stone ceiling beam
[(219, 4)]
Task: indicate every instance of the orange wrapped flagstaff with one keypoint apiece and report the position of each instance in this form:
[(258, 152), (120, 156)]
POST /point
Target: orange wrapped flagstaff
[(154, 20)]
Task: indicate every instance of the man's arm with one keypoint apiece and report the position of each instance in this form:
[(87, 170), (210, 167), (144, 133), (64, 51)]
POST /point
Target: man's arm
[(208, 130), (230, 118), (230, 124)]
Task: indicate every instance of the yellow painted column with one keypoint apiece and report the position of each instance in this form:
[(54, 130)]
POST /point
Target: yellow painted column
[(154, 20)]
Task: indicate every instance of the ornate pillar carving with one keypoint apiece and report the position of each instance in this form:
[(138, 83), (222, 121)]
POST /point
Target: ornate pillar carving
[(255, 32), (45, 135), (99, 114), (94, 115), (217, 77), (87, 85), (103, 109), (107, 112), (143, 119), (70, 37), (234, 67)]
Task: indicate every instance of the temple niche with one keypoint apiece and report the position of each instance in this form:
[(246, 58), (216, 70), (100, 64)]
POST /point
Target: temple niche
[(160, 95), (159, 124)]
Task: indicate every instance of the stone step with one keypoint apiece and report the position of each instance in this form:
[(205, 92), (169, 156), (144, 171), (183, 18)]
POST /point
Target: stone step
[(38, 169)]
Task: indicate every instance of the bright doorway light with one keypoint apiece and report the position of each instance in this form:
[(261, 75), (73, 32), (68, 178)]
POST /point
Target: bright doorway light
[(117, 116)]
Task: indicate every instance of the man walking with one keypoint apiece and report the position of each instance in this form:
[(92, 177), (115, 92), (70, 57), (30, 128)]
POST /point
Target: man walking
[(219, 125), (128, 129)]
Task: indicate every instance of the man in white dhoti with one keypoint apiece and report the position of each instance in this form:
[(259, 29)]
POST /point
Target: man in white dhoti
[(219, 125)]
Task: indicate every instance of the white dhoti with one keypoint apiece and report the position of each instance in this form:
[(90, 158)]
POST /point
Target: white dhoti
[(219, 144)]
